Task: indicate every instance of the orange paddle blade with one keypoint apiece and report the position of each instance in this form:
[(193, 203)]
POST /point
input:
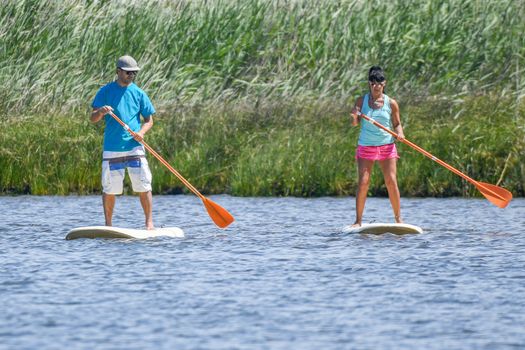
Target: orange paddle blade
[(218, 214), (498, 196)]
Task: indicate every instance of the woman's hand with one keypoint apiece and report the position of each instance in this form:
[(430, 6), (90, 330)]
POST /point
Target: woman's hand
[(355, 115)]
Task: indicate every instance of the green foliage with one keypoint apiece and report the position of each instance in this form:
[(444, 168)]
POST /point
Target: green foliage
[(39, 155), (276, 150), (253, 96), (54, 55)]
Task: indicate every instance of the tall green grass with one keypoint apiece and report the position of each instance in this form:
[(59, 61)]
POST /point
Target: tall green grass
[(279, 150), (253, 95), (40, 156), (54, 55)]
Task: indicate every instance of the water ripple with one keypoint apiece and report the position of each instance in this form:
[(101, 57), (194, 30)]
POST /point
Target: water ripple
[(283, 276)]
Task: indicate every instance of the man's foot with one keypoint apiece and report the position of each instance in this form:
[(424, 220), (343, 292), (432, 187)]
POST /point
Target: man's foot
[(149, 224), (356, 224), (398, 219)]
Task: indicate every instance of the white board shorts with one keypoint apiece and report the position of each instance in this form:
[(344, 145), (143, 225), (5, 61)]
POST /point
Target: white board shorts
[(114, 167)]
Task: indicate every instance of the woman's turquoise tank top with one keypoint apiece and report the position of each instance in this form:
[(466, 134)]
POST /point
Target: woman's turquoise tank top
[(370, 134)]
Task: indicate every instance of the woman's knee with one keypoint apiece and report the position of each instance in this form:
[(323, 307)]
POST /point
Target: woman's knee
[(364, 181), (390, 181)]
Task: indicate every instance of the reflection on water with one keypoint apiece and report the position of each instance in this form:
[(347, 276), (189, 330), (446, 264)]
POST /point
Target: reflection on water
[(282, 277)]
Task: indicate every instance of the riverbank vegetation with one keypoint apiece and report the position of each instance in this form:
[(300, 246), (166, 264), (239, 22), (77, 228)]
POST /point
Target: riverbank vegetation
[(286, 149), (253, 96)]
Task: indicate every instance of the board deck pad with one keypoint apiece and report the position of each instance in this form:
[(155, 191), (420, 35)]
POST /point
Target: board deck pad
[(118, 232), (380, 228)]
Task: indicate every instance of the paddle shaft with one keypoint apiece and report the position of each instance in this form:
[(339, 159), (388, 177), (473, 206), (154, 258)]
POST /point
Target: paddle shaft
[(158, 156), (429, 155)]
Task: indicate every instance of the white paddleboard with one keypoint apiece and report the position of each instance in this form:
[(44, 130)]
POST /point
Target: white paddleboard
[(379, 228), (118, 232)]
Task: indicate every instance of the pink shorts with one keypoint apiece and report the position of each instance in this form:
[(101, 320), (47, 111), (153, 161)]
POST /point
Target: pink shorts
[(377, 152)]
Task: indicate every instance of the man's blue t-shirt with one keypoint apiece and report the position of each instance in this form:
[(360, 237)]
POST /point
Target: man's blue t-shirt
[(128, 103)]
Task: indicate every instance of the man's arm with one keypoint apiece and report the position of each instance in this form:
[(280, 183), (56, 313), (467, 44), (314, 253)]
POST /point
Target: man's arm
[(98, 113), (148, 123)]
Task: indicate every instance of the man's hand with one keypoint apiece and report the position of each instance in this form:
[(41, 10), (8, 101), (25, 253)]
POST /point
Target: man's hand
[(138, 137), (97, 114), (105, 110)]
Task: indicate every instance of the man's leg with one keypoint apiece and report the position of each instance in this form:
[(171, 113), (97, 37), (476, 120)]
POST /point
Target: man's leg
[(108, 201), (146, 200), (112, 184), (140, 175)]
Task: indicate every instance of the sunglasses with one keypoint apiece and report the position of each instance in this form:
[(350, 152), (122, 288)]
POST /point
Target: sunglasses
[(133, 72), (374, 83)]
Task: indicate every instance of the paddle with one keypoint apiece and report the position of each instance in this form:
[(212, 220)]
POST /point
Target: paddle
[(498, 196), (218, 214)]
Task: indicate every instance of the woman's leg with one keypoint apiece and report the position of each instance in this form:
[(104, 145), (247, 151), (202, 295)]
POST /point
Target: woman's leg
[(389, 169), (364, 167)]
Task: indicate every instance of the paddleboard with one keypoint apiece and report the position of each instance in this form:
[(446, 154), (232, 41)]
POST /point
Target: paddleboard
[(379, 228), (118, 232)]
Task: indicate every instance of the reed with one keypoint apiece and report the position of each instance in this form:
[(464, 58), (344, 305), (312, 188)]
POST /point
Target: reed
[(253, 95), (275, 150), (54, 55)]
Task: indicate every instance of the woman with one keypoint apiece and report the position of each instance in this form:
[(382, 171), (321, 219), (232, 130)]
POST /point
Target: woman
[(375, 144)]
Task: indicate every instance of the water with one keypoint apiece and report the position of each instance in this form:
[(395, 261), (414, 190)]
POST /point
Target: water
[(282, 277)]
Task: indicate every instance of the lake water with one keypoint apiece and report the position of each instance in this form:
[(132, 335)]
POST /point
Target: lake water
[(282, 276)]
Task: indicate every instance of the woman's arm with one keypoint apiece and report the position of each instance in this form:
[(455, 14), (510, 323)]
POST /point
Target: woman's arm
[(396, 119)]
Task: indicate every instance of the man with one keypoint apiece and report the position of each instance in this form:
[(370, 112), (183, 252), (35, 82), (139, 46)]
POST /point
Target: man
[(121, 151)]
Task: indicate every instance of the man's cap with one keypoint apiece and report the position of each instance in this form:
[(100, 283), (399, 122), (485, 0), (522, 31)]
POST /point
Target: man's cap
[(127, 63)]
